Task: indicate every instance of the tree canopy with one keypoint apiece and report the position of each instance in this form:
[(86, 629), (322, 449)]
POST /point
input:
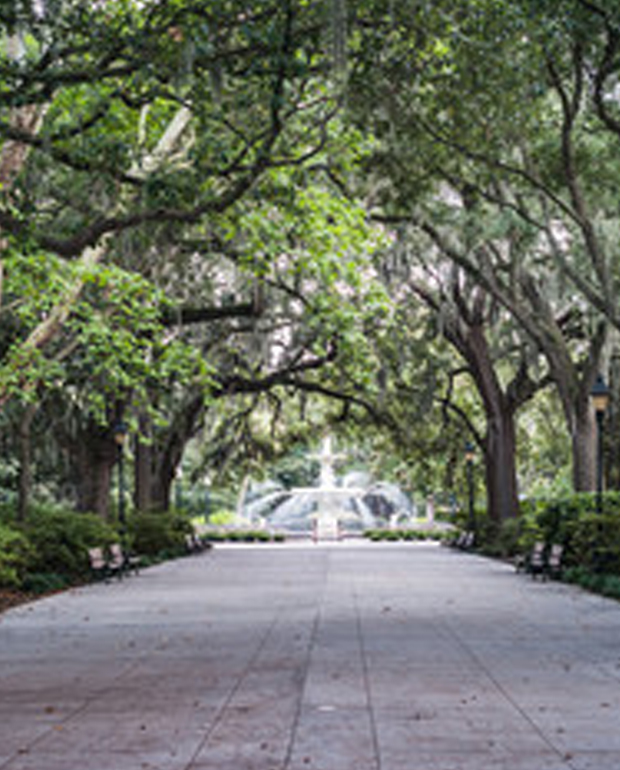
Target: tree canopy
[(253, 222)]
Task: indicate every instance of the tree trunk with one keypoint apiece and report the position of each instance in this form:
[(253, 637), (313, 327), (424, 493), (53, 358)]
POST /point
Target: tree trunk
[(584, 449), (500, 466), (143, 466), (580, 423), (157, 461), (500, 435), (161, 488), (25, 462), (97, 453)]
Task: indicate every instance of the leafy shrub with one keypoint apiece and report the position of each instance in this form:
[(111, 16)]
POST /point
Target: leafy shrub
[(607, 585), (61, 538), (44, 582), (15, 555), (611, 586), (159, 534), (394, 535), (504, 540), (243, 536), (594, 541)]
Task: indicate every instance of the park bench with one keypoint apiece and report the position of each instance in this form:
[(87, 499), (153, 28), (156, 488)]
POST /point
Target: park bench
[(122, 561), (192, 543), (464, 541), (196, 544), (114, 563), (541, 562), (536, 561), (98, 563), (553, 567)]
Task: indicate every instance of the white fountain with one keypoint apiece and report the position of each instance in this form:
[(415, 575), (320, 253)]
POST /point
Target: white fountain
[(324, 511), (329, 497)]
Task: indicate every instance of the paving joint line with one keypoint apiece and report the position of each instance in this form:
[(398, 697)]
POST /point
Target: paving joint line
[(562, 755), (233, 691), (88, 702), (366, 676), (306, 669)]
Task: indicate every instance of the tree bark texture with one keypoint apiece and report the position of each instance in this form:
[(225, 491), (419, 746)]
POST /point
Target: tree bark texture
[(25, 462), (499, 442), (500, 466), (583, 440), (159, 456), (96, 454)]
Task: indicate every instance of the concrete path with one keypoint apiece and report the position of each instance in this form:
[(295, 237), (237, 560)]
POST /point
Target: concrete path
[(351, 656)]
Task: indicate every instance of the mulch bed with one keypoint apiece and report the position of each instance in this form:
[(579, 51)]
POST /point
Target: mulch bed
[(10, 599)]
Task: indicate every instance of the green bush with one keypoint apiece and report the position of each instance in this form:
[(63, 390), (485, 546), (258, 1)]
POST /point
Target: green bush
[(243, 536), (607, 585), (60, 539), (594, 542), (505, 539), (15, 555), (215, 536), (611, 586), (159, 534), (44, 582), (394, 535)]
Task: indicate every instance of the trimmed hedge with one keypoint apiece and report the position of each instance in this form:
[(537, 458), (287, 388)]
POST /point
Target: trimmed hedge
[(243, 536), (395, 535)]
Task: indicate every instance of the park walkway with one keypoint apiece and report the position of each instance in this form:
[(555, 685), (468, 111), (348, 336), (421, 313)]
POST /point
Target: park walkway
[(351, 656)]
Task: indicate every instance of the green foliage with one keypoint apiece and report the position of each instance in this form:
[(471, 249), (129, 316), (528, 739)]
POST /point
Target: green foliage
[(591, 540), (154, 534), (244, 536), (502, 540), (604, 584), (61, 538), (295, 469), (222, 518), (113, 336), (396, 535), (15, 556), (44, 582)]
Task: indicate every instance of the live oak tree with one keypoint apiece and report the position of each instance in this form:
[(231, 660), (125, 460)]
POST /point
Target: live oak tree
[(490, 351), (121, 120), (491, 108), (301, 248)]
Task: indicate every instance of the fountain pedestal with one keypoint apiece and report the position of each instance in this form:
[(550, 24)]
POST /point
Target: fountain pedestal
[(326, 527)]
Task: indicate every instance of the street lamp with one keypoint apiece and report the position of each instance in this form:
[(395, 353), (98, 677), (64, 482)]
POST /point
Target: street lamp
[(120, 434), (600, 401), (469, 460)]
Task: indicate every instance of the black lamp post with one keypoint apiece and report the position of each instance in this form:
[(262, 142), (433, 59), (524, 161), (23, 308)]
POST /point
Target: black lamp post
[(120, 434), (469, 460), (600, 400)]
